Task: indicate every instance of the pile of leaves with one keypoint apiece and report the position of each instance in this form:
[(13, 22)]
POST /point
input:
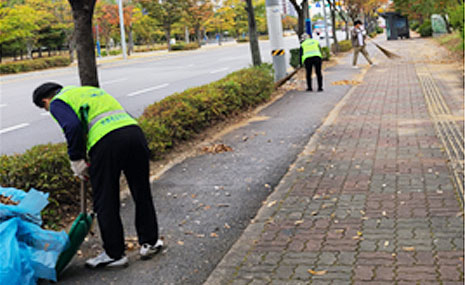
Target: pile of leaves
[(7, 200)]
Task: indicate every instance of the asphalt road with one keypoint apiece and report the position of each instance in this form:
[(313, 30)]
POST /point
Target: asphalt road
[(136, 83), (205, 202)]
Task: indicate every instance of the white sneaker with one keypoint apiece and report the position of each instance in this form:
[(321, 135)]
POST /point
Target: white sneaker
[(354, 67), (103, 260), (147, 250)]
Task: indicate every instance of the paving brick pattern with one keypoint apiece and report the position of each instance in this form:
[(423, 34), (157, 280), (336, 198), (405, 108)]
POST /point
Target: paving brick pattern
[(370, 202)]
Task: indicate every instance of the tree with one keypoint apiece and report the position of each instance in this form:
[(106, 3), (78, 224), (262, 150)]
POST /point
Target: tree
[(300, 9), (289, 23), (166, 12), (197, 14), (253, 38), (82, 15)]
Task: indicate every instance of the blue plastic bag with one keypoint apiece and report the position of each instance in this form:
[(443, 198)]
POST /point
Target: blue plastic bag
[(29, 207), (28, 251)]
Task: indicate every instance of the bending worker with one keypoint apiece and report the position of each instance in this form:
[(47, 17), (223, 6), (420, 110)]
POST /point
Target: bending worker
[(94, 123), (310, 53)]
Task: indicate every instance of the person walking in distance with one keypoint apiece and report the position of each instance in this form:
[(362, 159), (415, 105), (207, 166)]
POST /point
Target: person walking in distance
[(97, 126), (358, 36), (310, 54)]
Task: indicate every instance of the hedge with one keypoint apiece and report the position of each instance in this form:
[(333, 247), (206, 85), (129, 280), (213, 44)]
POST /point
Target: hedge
[(345, 45), (184, 46), (425, 29), (174, 119), (182, 115), (34, 64)]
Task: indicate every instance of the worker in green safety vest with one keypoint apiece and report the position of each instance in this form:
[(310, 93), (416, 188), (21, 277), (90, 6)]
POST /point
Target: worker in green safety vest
[(96, 126), (310, 53)]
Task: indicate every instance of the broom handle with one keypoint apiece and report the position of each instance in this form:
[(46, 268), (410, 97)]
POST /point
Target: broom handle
[(83, 196)]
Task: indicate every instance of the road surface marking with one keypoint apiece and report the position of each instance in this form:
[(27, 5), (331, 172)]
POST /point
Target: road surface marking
[(190, 65), (2, 105), (23, 125), (45, 114), (219, 70), (148, 89), (114, 81)]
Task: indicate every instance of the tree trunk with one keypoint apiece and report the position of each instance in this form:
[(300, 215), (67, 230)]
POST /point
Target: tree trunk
[(130, 41), (197, 34), (29, 49), (82, 15), (253, 38), (333, 23), (71, 45), (168, 36)]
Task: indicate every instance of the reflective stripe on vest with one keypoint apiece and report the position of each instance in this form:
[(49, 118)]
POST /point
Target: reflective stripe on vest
[(310, 48), (98, 111)]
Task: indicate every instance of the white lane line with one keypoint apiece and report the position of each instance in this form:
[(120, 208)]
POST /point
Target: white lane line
[(148, 89), (2, 105), (219, 70), (190, 65), (114, 81), (23, 125)]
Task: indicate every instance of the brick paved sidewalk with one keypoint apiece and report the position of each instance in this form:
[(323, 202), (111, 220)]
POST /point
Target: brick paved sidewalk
[(370, 201)]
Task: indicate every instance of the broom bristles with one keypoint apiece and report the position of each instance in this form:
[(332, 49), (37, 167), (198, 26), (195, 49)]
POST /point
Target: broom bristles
[(386, 52)]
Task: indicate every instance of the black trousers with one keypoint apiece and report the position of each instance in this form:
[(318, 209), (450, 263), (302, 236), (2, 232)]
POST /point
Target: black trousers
[(313, 61), (122, 150)]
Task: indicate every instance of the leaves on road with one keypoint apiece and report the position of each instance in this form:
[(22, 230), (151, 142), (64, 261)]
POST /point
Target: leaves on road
[(318, 273), (346, 82), (217, 148)]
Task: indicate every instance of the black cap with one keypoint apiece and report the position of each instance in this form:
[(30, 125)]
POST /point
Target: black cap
[(44, 91)]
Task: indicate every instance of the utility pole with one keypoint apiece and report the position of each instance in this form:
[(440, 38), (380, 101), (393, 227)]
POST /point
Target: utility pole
[(121, 25), (326, 25), (275, 32)]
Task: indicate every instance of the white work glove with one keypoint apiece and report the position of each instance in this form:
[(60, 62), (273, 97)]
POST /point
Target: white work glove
[(79, 168)]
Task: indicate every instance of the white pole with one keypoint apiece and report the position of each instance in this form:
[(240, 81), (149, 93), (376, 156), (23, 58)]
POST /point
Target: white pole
[(326, 25), (121, 25)]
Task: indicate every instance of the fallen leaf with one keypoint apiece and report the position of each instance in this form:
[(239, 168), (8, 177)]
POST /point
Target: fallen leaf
[(215, 235), (206, 207), (193, 196), (131, 246), (384, 213), (314, 213), (359, 233), (180, 242), (299, 222), (267, 186), (318, 273), (386, 243), (222, 205), (226, 226), (302, 169), (200, 235), (408, 248), (340, 231), (217, 148), (271, 204)]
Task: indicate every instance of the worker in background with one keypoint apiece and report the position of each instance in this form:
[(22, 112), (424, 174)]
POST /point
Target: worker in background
[(95, 125), (310, 53), (358, 36)]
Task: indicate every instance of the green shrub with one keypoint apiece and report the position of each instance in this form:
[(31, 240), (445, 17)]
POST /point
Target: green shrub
[(425, 29), (35, 64), (264, 37), (150, 48), (181, 115), (184, 46), (414, 25), (345, 45), (379, 30), (295, 57), (112, 52), (456, 18), (373, 34), (242, 40), (326, 54), (45, 168)]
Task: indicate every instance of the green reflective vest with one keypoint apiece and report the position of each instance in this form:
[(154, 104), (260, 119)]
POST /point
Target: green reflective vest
[(97, 110), (310, 48)]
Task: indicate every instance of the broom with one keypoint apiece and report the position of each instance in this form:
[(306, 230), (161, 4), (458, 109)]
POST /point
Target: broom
[(386, 52)]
